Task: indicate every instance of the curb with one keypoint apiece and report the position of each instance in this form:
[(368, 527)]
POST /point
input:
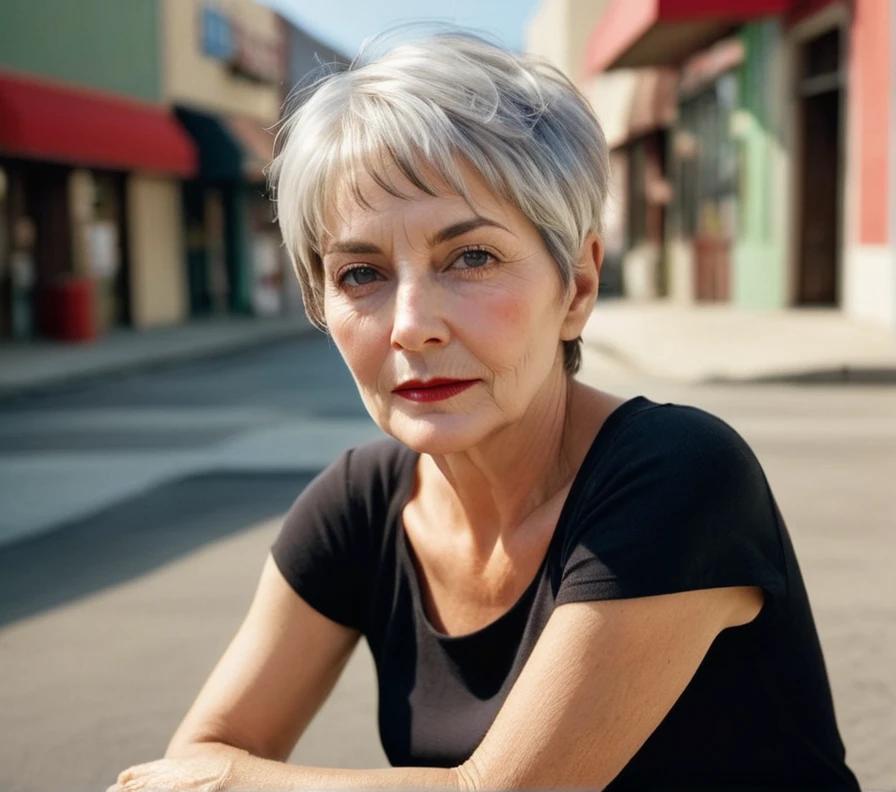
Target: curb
[(832, 374), (159, 359), (835, 375)]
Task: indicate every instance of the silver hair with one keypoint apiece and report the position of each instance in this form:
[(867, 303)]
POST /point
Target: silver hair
[(515, 119)]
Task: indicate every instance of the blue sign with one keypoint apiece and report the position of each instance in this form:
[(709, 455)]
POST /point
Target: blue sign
[(218, 39)]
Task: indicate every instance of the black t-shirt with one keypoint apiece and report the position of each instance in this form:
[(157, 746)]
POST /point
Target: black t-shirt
[(668, 499)]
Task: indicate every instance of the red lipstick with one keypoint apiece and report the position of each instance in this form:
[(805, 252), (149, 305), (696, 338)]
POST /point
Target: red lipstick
[(432, 390)]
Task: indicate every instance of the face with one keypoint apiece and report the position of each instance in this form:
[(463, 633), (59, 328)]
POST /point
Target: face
[(449, 314)]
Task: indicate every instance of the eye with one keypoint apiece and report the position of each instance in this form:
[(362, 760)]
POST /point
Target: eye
[(473, 258), (358, 276)]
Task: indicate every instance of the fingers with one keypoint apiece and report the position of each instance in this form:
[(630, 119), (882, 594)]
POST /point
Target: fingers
[(130, 780), (198, 774)]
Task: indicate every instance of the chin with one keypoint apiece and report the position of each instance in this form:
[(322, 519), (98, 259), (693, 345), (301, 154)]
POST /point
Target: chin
[(436, 434)]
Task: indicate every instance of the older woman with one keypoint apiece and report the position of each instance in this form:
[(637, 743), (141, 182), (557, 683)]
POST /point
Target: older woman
[(560, 588)]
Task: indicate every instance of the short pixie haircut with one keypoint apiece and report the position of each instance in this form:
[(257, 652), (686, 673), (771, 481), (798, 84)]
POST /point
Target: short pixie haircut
[(418, 107)]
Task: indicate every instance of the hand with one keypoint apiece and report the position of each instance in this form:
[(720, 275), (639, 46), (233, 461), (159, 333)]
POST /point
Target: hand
[(214, 771)]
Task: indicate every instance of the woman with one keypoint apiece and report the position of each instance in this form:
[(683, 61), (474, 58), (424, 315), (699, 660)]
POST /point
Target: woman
[(560, 588)]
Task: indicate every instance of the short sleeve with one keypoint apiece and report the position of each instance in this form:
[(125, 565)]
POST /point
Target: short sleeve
[(680, 503), (321, 547)]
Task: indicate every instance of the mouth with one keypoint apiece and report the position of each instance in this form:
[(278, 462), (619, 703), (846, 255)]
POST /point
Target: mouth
[(432, 390)]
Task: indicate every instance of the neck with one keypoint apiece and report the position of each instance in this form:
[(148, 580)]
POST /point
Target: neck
[(495, 489)]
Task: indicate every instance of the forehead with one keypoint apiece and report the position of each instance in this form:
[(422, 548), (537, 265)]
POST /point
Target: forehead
[(364, 204)]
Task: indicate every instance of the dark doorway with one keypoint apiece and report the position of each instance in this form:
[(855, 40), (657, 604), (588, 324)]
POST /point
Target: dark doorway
[(208, 277), (820, 89)]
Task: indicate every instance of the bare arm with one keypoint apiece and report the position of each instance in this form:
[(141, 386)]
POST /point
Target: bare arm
[(592, 716), (602, 677), (274, 676)]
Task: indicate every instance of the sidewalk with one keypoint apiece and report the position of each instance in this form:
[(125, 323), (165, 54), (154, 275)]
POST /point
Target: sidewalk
[(720, 343), (32, 367)]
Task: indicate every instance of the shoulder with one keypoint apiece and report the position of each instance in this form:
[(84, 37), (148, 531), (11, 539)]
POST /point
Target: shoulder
[(683, 444), (334, 531), (360, 478), (676, 501), (675, 426)]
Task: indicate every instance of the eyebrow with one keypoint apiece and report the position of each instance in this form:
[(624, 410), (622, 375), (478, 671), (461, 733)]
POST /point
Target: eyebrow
[(356, 246), (458, 229)]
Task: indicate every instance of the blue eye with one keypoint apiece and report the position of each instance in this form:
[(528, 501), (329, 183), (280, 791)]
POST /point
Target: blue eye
[(359, 276), (473, 258)]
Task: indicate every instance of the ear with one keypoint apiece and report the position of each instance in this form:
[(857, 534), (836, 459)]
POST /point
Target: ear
[(584, 287)]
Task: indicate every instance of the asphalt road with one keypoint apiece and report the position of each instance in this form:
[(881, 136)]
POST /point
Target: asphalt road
[(111, 619)]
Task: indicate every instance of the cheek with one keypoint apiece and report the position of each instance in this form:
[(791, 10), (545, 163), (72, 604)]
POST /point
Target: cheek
[(494, 313), (509, 325), (362, 342)]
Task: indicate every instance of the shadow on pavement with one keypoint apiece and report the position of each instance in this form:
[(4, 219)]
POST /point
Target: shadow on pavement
[(137, 535), (844, 375)]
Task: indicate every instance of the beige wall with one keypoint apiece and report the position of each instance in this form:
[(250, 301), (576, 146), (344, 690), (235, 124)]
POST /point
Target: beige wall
[(155, 246), (195, 79), (612, 95), (548, 34), (559, 31)]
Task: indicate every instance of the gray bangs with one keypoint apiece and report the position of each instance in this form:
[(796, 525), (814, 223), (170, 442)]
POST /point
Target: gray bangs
[(418, 109)]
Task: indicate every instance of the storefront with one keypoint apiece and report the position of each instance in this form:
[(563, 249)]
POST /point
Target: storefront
[(68, 159), (700, 160), (703, 167), (233, 261), (224, 69), (783, 164)]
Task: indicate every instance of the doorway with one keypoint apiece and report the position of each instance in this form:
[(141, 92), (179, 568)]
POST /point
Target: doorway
[(820, 89)]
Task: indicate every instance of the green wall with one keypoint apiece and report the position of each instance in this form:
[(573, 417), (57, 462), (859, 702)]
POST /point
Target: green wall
[(107, 44), (759, 252)]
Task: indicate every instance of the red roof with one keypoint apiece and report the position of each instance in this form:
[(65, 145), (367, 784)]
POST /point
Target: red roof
[(48, 121), (632, 33)]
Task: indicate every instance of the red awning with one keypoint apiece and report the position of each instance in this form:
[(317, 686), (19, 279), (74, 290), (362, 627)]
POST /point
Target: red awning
[(47, 121), (633, 33)]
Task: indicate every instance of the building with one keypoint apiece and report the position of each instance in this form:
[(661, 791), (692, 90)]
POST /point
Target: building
[(773, 176), (134, 139), (224, 63), (91, 161), (228, 67)]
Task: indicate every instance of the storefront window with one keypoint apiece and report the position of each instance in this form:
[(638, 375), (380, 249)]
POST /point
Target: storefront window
[(103, 247), (706, 160), (637, 226)]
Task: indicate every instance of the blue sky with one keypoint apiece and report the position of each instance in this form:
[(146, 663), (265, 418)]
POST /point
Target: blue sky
[(346, 23)]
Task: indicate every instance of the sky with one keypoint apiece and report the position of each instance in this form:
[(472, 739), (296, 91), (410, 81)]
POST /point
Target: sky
[(344, 24)]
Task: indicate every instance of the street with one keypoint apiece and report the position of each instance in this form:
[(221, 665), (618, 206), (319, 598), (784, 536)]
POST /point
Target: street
[(144, 507)]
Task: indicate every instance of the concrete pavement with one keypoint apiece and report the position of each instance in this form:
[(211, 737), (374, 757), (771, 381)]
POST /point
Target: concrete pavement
[(37, 366), (714, 342), (286, 405)]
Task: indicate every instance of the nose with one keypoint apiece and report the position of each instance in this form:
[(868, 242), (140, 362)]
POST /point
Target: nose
[(418, 321)]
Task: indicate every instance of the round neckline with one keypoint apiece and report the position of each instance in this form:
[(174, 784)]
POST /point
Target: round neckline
[(408, 555)]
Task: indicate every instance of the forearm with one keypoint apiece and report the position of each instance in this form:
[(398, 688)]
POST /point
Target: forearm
[(294, 777), (248, 773)]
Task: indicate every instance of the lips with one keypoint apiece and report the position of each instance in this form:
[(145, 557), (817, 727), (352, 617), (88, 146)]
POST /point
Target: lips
[(431, 390)]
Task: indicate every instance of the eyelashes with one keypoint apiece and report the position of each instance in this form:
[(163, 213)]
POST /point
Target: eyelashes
[(362, 274), (475, 249), (357, 277)]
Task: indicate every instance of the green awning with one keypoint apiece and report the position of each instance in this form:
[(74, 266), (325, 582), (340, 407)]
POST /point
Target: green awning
[(231, 148)]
